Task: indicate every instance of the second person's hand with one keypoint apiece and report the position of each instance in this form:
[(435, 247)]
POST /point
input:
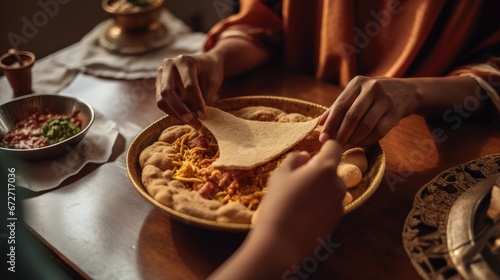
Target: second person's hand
[(367, 110)]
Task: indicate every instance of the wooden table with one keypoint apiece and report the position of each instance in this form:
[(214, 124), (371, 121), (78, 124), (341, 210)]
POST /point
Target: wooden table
[(99, 225)]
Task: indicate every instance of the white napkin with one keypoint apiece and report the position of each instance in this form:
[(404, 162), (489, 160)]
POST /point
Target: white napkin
[(96, 147), (87, 56), (48, 77)]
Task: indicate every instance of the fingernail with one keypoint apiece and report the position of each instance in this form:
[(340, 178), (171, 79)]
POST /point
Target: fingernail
[(200, 114), (323, 137), (187, 117), (304, 153)]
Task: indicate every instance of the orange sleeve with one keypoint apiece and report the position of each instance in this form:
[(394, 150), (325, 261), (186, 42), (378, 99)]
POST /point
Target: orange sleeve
[(255, 22), (484, 68)]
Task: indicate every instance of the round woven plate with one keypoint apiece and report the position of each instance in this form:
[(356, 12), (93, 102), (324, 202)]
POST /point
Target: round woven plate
[(425, 232), (150, 134)]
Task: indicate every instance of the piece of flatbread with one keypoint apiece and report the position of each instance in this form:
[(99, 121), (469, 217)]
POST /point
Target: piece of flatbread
[(245, 144), (494, 209)]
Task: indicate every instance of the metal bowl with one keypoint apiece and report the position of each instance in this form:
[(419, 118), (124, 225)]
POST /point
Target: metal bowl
[(134, 20), (20, 108)]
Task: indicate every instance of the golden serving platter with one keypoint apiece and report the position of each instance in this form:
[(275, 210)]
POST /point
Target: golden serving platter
[(361, 193)]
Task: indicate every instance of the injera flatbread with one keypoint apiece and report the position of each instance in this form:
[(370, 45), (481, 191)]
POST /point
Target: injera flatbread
[(245, 144), (494, 208)]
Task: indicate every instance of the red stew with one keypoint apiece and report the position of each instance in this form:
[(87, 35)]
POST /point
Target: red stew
[(26, 134)]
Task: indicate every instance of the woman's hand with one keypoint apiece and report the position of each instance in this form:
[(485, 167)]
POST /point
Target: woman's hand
[(367, 110), (304, 200), (302, 207), (185, 84)]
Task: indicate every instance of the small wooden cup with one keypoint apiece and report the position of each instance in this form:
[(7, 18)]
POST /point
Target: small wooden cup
[(16, 65)]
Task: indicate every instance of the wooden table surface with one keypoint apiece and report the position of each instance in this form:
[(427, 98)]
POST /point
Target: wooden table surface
[(99, 225)]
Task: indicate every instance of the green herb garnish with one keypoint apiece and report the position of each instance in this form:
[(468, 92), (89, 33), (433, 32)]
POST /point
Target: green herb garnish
[(58, 129)]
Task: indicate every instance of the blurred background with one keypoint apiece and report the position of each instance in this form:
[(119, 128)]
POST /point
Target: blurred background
[(45, 26)]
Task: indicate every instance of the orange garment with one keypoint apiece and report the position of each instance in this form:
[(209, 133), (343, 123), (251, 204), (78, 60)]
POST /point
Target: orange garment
[(335, 40)]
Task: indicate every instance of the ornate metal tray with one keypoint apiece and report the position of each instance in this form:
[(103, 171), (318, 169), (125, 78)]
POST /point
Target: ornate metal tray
[(466, 220), (426, 236)]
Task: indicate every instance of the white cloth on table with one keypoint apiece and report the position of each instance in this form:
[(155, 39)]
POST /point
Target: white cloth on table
[(87, 56), (96, 147)]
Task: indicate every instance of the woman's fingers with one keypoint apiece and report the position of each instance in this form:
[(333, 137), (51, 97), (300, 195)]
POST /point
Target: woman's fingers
[(295, 160), (338, 110), (167, 97), (177, 90), (367, 124), (366, 111), (291, 162), (330, 153), (383, 126), (160, 102), (347, 111), (191, 92), (353, 117)]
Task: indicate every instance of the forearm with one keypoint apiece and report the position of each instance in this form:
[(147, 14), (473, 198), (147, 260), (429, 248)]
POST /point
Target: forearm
[(237, 55), (259, 257), (436, 96)]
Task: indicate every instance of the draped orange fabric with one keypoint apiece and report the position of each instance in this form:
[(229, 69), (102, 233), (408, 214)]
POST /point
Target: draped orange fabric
[(335, 40)]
